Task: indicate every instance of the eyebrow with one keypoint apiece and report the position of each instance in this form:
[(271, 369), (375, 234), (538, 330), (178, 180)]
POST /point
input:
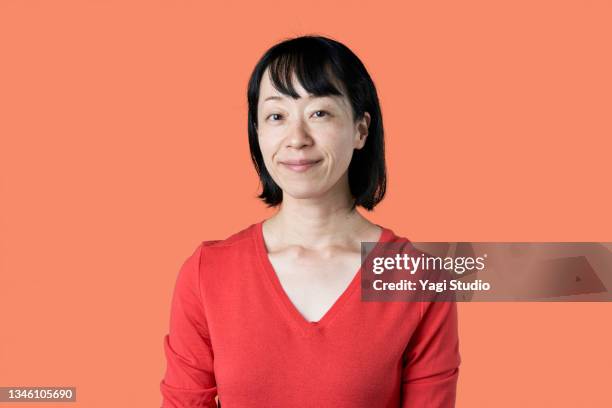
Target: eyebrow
[(274, 97)]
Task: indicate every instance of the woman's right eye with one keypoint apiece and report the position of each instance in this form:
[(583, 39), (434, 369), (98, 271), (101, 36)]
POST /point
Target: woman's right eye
[(274, 115)]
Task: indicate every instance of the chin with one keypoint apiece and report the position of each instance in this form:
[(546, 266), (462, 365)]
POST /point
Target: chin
[(303, 193)]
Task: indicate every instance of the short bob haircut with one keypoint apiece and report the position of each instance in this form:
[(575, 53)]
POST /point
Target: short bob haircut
[(318, 64)]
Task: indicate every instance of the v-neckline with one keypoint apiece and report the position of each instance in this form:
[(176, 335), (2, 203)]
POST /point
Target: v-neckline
[(286, 304)]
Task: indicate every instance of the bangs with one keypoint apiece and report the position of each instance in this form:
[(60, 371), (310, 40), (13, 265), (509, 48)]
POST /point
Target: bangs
[(314, 74)]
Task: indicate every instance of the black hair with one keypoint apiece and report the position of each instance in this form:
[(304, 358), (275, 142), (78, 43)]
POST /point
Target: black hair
[(319, 63)]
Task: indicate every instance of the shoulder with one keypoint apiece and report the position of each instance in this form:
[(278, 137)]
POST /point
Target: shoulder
[(237, 241), (234, 241), (394, 241), (225, 255), (225, 251)]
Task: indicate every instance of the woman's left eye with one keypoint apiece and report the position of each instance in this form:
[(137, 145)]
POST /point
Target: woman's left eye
[(322, 112)]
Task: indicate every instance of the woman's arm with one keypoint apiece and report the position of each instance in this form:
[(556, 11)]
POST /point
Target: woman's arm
[(189, 380), (431, 359)]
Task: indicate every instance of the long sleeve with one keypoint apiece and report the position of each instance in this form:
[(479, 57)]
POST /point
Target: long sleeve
[(189, 380), (431, 359)]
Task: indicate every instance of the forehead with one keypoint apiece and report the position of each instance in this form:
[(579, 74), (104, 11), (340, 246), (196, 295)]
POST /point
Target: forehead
[(268, 93)]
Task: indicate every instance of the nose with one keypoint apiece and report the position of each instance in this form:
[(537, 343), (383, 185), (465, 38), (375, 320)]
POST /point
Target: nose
[(298, 135)]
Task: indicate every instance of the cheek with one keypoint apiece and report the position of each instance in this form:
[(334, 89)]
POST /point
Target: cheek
[(265, 146), (269, 137), (340, 148), (268, 151)]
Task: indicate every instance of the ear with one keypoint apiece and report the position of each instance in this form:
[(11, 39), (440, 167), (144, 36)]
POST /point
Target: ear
[(362, 130)]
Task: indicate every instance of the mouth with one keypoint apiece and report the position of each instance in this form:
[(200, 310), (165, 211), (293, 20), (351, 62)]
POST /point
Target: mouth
[(300, 165)]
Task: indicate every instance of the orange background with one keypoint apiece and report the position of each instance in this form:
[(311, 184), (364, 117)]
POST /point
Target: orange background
[(124, 144)]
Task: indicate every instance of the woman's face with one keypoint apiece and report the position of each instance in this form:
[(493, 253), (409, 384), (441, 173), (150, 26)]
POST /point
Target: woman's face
[(307, 143)]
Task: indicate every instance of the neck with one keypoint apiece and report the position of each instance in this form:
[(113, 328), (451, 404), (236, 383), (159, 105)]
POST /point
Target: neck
[(318, 222)]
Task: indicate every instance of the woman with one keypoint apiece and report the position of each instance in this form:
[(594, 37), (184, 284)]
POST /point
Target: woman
[(271, 316)]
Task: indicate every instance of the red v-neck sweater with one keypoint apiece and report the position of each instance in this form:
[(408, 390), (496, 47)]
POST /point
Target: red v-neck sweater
[(234, 332)]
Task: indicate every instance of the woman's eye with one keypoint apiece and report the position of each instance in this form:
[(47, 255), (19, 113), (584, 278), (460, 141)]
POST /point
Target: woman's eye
[(274, 115)]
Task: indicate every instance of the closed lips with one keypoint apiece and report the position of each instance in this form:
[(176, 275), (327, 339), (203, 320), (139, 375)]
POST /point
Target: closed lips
[(299, 162)]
